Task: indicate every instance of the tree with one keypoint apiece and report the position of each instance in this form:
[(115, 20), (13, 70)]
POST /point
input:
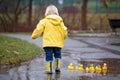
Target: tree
[(84, 11), (11, 10), (83, 14), (30, 13), (104, 2)]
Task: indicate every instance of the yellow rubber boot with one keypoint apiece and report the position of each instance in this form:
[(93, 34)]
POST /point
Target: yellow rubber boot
[(57, 65), (49, 67)]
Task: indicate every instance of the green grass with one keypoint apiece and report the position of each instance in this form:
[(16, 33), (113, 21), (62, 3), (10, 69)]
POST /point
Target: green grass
[(13, 50)]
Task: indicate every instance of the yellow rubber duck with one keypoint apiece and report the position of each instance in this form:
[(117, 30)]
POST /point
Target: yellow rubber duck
[(87, 69), (98, 69), (92, 69), (81, 67), (70, 67), (76, 68), (104, 69)]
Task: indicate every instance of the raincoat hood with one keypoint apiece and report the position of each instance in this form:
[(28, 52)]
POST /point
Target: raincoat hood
[(54, 19)]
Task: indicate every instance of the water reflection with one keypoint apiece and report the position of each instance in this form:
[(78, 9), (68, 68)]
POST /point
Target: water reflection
[(19, 73), (23, 73), (53, 77)]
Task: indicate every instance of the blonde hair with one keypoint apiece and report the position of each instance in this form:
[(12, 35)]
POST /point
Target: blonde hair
[(51, 10)]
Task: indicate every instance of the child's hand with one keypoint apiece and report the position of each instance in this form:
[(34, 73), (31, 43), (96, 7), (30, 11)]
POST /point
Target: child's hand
[(33, 37)]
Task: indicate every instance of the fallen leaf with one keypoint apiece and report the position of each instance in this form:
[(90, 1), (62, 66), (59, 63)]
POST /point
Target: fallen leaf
[(16, 52)]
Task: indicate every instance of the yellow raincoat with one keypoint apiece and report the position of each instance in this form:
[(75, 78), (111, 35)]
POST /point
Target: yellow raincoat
[(53, 29)]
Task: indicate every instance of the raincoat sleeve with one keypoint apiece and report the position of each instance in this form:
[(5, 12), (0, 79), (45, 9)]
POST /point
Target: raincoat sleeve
[(38, 30), (65, 31)]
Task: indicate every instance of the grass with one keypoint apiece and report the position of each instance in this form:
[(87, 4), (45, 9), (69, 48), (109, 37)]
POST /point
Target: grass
[(97, 21), (14, 51)]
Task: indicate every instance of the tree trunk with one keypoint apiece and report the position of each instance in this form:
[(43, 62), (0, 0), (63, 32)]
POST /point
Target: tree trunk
[(84, 14), (16, 14), (30, 13)]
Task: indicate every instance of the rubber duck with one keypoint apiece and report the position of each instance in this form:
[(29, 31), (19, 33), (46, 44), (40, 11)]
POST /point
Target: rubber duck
[(76, 68), (98, 69), (87, 69), (92, 70), (81, 67), (104, 69), (70, 67)]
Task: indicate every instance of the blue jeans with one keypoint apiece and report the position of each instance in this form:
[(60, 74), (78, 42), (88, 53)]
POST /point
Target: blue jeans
[(50, 51)]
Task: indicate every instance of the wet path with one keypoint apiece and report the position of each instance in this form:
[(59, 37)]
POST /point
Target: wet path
[(75, 52)]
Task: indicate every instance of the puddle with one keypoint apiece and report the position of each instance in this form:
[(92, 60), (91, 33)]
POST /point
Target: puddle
[(115, 44), (113, 64), (4, 68), (112, 74)]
